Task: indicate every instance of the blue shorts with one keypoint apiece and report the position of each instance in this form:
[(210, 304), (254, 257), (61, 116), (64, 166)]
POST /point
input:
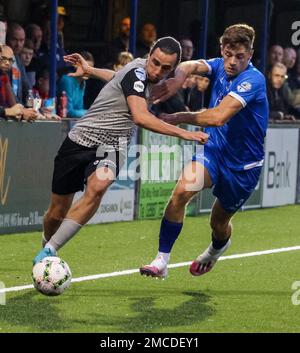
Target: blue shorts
[(231, 187)]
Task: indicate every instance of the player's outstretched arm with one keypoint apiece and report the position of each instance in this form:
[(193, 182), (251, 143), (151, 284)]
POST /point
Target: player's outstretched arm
[(217, 116), (84, 69), (142, 117), (168, 88)]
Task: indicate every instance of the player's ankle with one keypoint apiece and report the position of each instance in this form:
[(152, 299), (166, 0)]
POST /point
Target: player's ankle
[(218, 244), (165, 257)]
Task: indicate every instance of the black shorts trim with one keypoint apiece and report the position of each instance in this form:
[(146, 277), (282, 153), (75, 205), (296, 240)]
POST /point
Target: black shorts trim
[(74, 163)]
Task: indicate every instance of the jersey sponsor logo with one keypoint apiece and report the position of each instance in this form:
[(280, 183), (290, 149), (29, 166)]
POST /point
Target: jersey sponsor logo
[(140, 74), (244, 87), (139, 86)]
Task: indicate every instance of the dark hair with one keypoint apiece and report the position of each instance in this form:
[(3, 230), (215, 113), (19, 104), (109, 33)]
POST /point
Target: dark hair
[(28, 44), (43, 72), (168, 45), (31, 28), (13, 26), (238, 34), (87, 55)]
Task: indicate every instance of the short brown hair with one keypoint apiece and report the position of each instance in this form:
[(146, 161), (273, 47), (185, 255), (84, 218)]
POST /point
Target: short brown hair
[(28, 44), (238, 34)]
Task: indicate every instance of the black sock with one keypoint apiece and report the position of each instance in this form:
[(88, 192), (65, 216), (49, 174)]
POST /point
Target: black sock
[(218, 244)]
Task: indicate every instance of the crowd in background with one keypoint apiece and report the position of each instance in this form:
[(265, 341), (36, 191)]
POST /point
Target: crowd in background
[(25, 73)]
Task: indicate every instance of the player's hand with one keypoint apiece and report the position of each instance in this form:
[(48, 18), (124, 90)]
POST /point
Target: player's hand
[(172, 119), (163, 91), (79, 63), (29, 114), (198, 136)]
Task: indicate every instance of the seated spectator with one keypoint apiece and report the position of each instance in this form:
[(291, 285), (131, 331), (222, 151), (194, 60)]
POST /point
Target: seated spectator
[(7, 97), (289, 58), (7, 59), (34, 33), (74, 88), (279, 105), (275, 55), (15, 39), (294, 86), (62, 14), (26, 57), (43, 55), (121, 43), (42, 85), (147, 36), (187, 48), (123, 59)]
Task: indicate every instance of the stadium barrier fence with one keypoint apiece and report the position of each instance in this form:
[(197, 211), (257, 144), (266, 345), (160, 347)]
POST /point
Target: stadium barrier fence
[(27, 153)]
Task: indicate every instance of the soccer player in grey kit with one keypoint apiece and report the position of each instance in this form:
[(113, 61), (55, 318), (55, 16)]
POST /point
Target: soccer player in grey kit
[(93, 151)]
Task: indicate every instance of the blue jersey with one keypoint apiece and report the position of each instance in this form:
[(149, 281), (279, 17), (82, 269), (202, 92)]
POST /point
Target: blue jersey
[(241, 140)]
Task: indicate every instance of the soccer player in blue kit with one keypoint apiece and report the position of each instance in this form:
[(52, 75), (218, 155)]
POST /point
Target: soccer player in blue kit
[(231, 161)]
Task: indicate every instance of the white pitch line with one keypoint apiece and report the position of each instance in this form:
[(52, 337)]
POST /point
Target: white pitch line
[(181, 264)]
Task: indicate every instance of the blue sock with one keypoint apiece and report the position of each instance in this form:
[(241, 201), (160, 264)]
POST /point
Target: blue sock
[(218, 244), (169, 232)]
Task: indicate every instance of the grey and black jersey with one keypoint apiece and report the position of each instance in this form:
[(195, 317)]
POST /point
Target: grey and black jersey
[(109, 117)]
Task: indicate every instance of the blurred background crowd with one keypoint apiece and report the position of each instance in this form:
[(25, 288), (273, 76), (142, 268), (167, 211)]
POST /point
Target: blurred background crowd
[(100, 32)]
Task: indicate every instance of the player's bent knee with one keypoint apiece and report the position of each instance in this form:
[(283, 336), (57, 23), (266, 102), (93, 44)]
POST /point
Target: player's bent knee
[(96, 190)]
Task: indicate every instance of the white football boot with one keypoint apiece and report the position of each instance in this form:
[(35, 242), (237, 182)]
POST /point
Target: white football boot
[(205, 261)]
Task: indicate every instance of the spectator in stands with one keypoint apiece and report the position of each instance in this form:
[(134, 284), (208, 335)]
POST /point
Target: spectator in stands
[(34, 32), (74, 88), (289, 58), (279, 105), (7, 98), (294, 86), (42, 85), (120, 43), (187, 48), (26, 57), (123, 59), (147, 37), (44, 52), (275, 55), (7, 59), (15, 39), (62, 14)]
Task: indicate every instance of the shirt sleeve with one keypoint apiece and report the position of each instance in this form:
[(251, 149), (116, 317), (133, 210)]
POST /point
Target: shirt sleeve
[(134, 83), (246, 89), (213, 65)]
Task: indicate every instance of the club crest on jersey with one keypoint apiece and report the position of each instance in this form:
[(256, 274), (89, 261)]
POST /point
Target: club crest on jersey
[(138, 86), (140, 74), (244, 87)]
